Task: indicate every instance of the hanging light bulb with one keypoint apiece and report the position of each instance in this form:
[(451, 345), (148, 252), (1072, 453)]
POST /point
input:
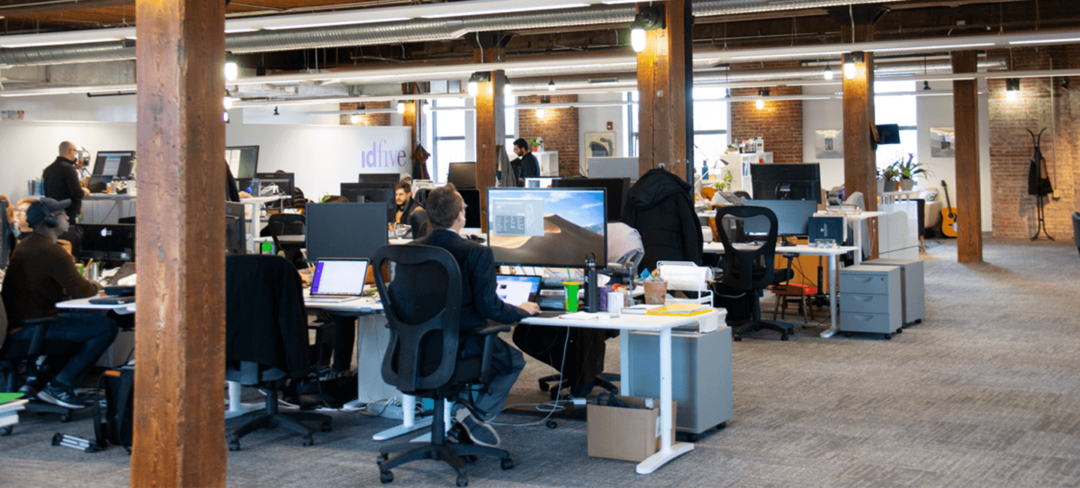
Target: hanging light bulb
[(551, 85), (354, 118), (227, 102), (850, 60), (232, 71), (474, 88), (1012, 89), (401, 107), (926, 86), (540, 113), (649, 18), (849, 70), (760, 104), (475, 80), (828, 72), (637, 37)]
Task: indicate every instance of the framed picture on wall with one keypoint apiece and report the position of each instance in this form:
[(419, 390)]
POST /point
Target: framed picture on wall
[(942, 142), (600, 144), (829, 144)]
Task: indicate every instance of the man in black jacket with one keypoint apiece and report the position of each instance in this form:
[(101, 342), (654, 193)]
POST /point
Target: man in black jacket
[(61, 180), (526, 165), (479, 303), (661, 208)]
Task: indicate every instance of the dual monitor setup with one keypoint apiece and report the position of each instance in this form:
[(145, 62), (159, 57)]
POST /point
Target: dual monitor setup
[(111, 165), (791, 191)]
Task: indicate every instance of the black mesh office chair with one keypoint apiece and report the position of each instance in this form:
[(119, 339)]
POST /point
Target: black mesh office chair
[(750, 270), (18, 359), (288, 225), (423, 306), (266, 338)]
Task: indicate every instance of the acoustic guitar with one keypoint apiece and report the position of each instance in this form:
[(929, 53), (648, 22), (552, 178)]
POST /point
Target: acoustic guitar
[(948, 214)]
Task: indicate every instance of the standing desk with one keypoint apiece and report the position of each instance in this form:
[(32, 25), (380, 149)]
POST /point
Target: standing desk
[(834, 257), (856, 231), (255, 222), (652, 323)]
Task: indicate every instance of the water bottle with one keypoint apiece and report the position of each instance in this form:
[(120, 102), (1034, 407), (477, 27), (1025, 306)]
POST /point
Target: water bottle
[(760, 144), (256, 187)]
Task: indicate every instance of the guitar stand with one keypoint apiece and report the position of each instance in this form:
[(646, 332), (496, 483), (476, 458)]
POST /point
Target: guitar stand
[(1041, 228)]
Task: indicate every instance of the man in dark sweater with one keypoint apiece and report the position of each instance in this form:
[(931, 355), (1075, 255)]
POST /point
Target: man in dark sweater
[(446, 212), (526, 165), (41, 274), (61, 180)]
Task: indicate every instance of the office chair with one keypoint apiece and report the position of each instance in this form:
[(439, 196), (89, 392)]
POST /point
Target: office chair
[(16, 356), (751, 270), (423, 306), (287, 225), (418, 221), (743, 195), (266, 338)]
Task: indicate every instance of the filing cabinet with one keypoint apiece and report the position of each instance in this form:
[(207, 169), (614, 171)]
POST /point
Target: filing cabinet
[(913, 298), (870, 299)]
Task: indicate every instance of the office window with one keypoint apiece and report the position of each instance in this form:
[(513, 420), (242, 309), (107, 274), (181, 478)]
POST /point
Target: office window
[(894, 103), (711, 117), (510, 117), (447, 137)]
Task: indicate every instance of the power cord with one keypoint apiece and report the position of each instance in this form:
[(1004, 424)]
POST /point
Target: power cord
[(555, 407)]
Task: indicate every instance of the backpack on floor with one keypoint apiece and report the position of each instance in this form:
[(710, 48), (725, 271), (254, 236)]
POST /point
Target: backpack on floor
[(116, 426)]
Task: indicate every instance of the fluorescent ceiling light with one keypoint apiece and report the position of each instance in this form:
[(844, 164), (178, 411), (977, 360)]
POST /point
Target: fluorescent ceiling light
[(935, 48), (340, 22), (240, 30), (1045, 41), (61, 42), (789, 55), (507, 10), (617, 2)]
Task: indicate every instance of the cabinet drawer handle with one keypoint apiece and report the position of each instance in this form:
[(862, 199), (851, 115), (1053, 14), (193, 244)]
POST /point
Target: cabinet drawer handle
[(863, 298), (864, 279), (864, 317)]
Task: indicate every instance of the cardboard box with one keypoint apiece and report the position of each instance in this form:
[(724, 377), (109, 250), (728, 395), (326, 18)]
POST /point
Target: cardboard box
[(627, 434)]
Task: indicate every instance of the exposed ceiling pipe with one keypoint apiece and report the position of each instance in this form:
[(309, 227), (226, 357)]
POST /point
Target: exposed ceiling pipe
[(419, 30)]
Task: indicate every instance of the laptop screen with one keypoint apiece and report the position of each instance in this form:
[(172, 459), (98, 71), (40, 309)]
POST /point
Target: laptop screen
[(339, 277), (515, 290)]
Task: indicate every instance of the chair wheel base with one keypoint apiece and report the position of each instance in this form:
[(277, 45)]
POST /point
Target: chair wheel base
[(507, 464), (462, 480), (386, 477), (5, 431), (234, 445)]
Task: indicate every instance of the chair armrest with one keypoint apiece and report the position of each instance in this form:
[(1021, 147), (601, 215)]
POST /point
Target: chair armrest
[(489, 329), (488, 332)]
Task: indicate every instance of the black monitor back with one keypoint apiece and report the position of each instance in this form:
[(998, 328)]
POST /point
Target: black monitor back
[(369, 193), (795, 181), (123, 170), (888, 134), (380, 179), (235, 228), (249, 160), (345, 230), (617, 189), (472, 206), (462, 175), (108, 241), (792, 217)]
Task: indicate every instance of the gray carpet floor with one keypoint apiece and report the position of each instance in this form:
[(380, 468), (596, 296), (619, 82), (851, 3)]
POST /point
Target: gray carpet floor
[(984, 393)]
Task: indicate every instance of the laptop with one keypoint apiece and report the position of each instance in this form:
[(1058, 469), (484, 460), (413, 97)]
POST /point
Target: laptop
[(517, 289), (338, 279)]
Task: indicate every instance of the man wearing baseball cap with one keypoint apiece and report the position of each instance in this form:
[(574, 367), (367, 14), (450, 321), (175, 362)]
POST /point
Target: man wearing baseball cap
[(39, 275)]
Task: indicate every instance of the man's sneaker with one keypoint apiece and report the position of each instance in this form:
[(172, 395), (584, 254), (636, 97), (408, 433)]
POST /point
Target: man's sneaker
[(60, 395), (480, 432)]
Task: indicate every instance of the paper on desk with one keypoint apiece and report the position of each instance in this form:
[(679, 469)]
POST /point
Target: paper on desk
[(109, 273), (126, 281)]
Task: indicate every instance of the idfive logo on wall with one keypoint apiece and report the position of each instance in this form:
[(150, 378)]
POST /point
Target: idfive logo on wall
[(382, 157)]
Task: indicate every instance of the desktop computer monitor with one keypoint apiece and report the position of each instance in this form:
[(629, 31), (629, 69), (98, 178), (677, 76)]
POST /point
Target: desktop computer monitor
[(553, 227), (284, 181), (113, 163), (472, 207), (888, 134), (792, 217), (616, 188), (462, 175), (108, 241), (797, 181), (380, 179), (367, 193), (243, 160), (345, 230), (235, 228)]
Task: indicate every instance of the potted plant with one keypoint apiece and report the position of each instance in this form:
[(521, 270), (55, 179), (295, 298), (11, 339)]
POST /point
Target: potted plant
[(537, 143), (725, 182), (908, 170), (889, 175)]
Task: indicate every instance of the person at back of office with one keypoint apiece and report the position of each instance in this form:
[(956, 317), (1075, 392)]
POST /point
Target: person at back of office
[(39, 275), (526, 164), (61, 179), (479, 303), (406, 204)]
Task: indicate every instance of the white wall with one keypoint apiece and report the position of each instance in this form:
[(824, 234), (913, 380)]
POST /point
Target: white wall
[(595, 119), (73, 107), (931, 112), (288, 114)]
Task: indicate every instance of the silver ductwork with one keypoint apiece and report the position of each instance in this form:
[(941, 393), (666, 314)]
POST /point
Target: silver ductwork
[(408, 31)]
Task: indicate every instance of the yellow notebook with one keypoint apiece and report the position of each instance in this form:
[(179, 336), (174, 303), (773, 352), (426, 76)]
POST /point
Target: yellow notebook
[(685, 309)]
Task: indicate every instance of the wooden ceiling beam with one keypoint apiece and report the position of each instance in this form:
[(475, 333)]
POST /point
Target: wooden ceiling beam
[(10, 8)]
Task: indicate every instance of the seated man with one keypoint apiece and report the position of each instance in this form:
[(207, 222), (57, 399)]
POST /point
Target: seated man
[(406, 204), (446, 212), (39, 276)]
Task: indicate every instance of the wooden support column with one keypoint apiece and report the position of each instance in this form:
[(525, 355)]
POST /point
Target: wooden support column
[(665, 81), (408, 119), (179, 417), (966, 122), (490, 126), (860, 160)]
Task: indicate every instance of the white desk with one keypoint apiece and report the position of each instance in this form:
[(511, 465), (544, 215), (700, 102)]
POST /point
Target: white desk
[(856, 230), (834, 257), (84, 304), (654, 323), (255, 222)]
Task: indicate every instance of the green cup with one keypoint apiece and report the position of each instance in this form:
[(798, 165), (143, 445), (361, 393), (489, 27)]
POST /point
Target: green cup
[(571, 295)]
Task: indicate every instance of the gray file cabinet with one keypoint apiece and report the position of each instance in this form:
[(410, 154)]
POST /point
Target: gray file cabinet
[(700, 376), (911, 282), (870, 299)]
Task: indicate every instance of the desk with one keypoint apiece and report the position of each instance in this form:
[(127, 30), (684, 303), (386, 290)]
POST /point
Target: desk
[(833, 255), (255, 222), (654, 323), (856, 230)]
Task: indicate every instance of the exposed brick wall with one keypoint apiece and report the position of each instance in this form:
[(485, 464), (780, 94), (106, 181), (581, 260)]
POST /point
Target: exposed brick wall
[(558, 127), (366, 119), (780, 123), (1014, 211)]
